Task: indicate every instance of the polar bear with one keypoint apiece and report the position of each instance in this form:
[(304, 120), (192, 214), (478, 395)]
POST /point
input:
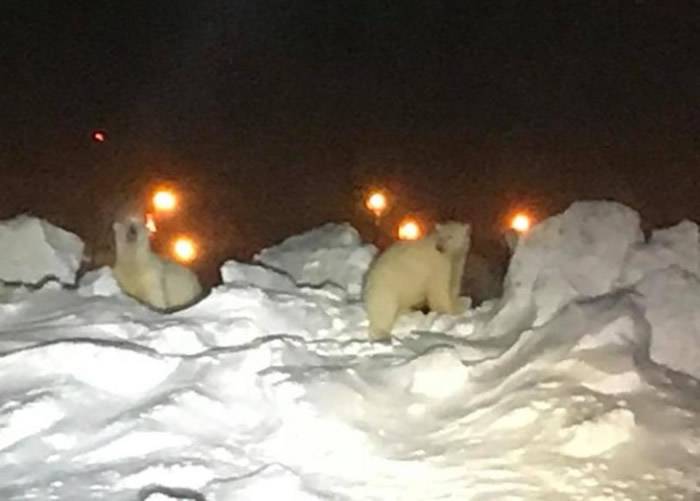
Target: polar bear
[(155, 281), (414, 273)]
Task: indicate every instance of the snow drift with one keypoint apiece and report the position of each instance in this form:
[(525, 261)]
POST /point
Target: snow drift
[(33, 250), (580, 384), (331, 255)]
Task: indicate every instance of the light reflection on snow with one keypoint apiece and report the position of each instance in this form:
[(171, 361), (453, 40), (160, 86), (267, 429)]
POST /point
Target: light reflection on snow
[(28, 420)]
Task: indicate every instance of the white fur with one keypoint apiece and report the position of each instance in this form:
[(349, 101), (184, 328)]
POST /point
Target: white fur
[(158, 282), (409, 274)]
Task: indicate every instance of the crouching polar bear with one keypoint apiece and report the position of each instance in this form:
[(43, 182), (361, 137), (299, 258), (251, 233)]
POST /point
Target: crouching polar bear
[(415, 273), (155, 281)]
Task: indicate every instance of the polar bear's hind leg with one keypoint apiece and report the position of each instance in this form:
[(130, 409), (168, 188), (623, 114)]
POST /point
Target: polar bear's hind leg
[(382, 310)]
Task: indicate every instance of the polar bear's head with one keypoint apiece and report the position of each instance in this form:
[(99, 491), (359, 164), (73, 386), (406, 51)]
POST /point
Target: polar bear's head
[(452, 237), (131, 237)]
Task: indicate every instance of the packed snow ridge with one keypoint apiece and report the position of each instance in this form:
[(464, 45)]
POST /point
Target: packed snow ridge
[(34, 251), (581, 383)]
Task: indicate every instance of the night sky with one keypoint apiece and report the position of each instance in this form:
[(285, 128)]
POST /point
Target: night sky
[(274, 116)]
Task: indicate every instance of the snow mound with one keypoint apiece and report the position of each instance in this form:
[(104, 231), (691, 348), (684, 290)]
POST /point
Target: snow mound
[(332, 254), (33, 250), (597, 248), (99, 282), (268, 389), (577, 254), (675, 246), (243, 274), (670, 298)]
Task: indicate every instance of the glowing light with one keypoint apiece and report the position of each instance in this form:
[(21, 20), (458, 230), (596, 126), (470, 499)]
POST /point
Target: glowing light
[(151, 223), (409, 229), (376, 202), (184, 249), (99, 136), (164, 200), (520, 222)]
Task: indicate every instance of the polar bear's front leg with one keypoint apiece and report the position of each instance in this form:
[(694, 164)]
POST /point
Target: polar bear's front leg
[(440, 292), (382, 309), (456, 274)]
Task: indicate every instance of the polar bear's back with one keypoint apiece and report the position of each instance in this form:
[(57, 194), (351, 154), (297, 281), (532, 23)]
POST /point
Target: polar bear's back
[(405, 268), (181, 285)]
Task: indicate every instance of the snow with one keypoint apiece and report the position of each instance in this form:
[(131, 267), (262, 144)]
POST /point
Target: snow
[(670, 298), (579, 253), (675, 246), (99, 282), (34, 250), (331, 255), (581, 384)]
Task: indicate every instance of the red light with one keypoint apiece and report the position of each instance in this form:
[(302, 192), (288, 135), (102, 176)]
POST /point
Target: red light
[(99, 136)]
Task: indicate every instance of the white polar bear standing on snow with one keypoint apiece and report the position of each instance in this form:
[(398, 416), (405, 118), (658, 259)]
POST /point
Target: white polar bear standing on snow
[(415, 273), (155, 281)]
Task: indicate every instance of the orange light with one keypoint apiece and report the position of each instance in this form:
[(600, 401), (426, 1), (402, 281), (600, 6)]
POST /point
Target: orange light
[(151, 223), (164, 200), (520, 222), (99, 136), (376, 202), (184, 249), (409, 229)]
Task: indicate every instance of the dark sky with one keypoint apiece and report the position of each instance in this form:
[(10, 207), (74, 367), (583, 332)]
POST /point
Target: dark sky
[(274, 115)]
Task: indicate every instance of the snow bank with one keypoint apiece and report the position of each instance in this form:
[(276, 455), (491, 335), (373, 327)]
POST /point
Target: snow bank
[(671, 300), (331, 254), (675, 246), (244, 274), (579, 253), (597, 248), (268, 389), (34, 250), (99, 282)]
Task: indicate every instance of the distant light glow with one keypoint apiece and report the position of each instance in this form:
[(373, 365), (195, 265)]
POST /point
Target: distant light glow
[(409, 229), (164, 200), (99, 136), (376, 202), (520, 222), (151, 223), (184, 249)]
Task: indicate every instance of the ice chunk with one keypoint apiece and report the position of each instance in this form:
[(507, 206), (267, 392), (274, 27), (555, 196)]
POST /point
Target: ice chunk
[(671, 298), (678, 245), (329, 254), (34, 250)]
